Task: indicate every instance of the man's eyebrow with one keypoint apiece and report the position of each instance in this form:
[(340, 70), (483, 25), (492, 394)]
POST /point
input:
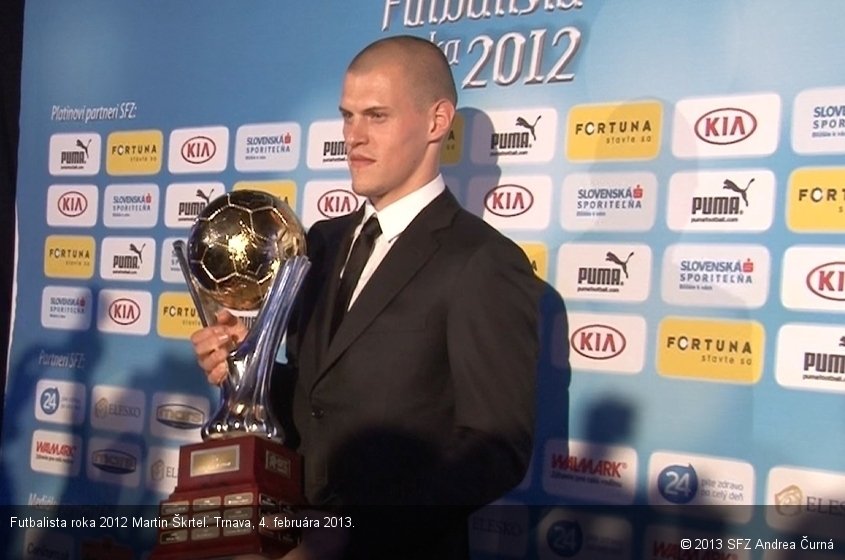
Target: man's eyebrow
[(368, 110)]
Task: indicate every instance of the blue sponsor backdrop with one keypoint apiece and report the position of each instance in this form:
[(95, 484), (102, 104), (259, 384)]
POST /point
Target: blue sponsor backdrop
[(673, 98)]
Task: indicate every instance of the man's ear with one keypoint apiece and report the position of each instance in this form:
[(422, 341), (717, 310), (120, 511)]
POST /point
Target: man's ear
[(443, 113)]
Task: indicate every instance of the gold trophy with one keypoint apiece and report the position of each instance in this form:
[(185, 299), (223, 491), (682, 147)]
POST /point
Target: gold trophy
[(245, 253)]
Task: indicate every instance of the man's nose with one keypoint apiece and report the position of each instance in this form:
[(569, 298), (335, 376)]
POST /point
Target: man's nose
[(354, 133)]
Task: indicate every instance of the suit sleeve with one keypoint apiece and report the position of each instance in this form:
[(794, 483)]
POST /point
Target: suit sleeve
[(493, 345)]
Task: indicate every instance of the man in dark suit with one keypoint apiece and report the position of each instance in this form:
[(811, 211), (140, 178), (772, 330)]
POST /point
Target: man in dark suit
[(416, 343)]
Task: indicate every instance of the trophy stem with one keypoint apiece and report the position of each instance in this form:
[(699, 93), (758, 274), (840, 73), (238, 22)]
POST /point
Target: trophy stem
[(248, 410)]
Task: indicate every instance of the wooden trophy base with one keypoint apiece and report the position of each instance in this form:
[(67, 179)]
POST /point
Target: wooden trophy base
[(223, 490)]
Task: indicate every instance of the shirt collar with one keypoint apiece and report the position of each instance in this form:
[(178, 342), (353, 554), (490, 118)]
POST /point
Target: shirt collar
[(395, 217)]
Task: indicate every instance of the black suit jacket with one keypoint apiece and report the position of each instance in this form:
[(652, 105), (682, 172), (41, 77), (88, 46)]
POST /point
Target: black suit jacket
[(425, 395)]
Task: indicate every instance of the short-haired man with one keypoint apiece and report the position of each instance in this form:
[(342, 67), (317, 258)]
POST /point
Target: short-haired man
[(414, 387)]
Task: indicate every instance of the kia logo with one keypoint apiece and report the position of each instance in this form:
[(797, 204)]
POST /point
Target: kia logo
[(509, 201), (124, 311), (73, 204), (598, 342), (828, 281), (337, 202), (725, 126), (198, 149)]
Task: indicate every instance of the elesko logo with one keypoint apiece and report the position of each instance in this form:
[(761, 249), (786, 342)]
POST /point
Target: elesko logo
[(810, 499), (117, 409), (162, 470)]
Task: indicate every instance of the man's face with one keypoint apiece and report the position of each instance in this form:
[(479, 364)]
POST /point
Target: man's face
[(386, 134)]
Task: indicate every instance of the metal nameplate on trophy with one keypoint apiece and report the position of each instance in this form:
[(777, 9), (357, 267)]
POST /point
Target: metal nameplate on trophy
[(246, 252)]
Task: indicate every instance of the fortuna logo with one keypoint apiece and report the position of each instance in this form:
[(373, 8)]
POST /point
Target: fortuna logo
[(612, 127), (720, 345), (509, 200), (725, 126), (72, 204)]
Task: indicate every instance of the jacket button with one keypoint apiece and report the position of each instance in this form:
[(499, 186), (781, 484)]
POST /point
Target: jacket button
[(317, 412)]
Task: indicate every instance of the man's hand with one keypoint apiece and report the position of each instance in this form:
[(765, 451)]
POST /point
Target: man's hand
[(213, 344)]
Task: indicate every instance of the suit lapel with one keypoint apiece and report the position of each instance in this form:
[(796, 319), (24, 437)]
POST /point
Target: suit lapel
[(411, 251), (325, 305)]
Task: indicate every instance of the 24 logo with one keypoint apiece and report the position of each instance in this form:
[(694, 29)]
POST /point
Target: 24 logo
[(50, 400), (678, 484)]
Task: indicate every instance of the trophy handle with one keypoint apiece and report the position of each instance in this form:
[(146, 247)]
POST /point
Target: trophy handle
[(206, 308), (206, 311)]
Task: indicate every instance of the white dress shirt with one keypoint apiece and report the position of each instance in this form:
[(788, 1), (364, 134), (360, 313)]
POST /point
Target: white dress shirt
[(393, 219)]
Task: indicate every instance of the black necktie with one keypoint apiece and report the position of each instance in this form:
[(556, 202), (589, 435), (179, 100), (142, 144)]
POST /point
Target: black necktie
[(361, 250)]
